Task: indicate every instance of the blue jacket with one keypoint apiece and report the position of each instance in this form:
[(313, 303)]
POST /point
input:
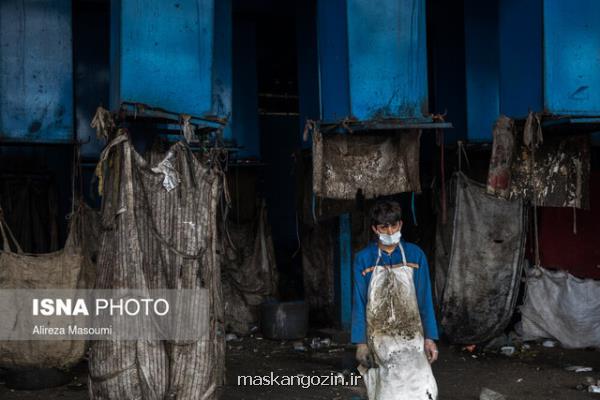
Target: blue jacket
[(366, 258)]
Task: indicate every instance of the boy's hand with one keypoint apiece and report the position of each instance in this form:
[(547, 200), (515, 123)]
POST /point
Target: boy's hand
[(431, 350), (363, 355)]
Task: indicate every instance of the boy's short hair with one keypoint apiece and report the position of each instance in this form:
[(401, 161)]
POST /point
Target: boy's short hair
[(385, 212)]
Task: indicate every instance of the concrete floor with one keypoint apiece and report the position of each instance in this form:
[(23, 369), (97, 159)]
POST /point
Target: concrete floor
[(537, 373)]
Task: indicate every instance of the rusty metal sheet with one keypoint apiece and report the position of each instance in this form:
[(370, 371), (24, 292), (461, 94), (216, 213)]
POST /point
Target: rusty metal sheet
[(375, 164)]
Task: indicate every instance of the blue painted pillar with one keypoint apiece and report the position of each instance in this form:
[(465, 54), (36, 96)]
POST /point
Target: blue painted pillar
[(520, 57), (482, 68)]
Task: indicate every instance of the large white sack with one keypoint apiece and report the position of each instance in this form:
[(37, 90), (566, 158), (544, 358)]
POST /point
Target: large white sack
[(560, 306)]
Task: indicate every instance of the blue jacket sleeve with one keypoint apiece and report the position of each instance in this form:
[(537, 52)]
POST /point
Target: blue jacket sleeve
[(359, 303), (425, 299)]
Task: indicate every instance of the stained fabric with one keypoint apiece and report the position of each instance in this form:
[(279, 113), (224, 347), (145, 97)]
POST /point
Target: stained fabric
[(560, 306), (484, 266), (375, 164), (313, 209), (362, 273), (547, 170), (560, 175), (503, 152), (69, 268), (249, 272), (395, 336), (157, 236)]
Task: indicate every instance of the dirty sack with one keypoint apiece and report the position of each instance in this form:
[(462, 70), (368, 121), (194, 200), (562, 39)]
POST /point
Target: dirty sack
[(551, 171), (159, 231), (395, 338), (69, 268), (249, 271), (559, 306), (480, 283), (375, 164)]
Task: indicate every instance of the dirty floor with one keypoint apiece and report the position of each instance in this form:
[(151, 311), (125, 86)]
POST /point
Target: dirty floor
[(537, 373)]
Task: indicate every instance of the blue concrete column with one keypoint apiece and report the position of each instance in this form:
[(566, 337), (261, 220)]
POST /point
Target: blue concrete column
[(520, 57), (482, 68)]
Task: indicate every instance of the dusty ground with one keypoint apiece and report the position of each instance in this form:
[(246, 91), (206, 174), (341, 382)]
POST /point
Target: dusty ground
[(537, 373)]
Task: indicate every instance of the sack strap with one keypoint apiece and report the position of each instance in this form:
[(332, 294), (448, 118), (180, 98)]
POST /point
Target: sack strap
[(7, 234)]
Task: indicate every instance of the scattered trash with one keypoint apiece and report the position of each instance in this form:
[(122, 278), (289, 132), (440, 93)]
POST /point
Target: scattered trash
[(507, 350), (255, 350), (594, 388), (549, 343), (590, 381), (470, 348), (230, 336), (498, 342), (526, 346), (254, 329), (76, 386), (336, 350), (299, 346), (519, 380), (489, 394), (578, 368), (474, 356), (315, 343), (326, 342)]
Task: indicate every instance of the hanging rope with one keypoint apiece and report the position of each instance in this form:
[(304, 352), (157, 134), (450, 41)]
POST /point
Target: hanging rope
[(413, 207), (532, 138), (440, 142)]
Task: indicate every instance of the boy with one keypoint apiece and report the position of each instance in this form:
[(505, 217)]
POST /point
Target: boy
[(393, 320)]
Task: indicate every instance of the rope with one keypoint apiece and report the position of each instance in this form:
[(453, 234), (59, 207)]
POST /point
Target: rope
[(413, 207), (440, 140), (5, 236)]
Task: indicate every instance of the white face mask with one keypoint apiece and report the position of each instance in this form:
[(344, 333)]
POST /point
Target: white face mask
[(389, 240)]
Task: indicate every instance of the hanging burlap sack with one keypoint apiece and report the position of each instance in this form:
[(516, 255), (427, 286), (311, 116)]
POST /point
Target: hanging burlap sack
[(69, 268)]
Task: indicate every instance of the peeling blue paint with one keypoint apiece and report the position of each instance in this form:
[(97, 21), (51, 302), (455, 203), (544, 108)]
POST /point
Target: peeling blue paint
[(36, 71)]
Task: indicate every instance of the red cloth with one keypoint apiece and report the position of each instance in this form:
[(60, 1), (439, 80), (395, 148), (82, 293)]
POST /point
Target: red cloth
[(561, 248)]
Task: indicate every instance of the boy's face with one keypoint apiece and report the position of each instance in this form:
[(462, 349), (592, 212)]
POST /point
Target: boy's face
[(388, 229)]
